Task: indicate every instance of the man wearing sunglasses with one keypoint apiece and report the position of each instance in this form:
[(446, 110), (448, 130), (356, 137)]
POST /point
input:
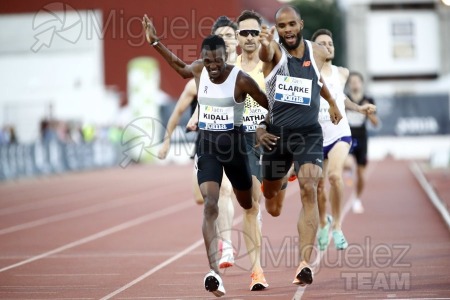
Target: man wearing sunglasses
[(249, 27), (293, 133)]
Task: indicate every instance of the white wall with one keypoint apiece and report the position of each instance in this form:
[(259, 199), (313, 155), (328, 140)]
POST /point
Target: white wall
[(52, 59)]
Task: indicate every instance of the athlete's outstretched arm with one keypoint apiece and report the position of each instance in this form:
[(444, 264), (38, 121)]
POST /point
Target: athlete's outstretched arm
[(335, 114), (269, 51), (186, 97), (177, 64), (363, 109), (247, 85)]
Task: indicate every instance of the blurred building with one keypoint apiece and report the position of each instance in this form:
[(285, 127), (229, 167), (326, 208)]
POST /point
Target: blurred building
[(402, 49), (68, 60)]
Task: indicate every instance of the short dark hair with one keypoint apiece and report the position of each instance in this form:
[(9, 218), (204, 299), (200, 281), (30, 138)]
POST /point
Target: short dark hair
[(223, 21), (357, 74), (322, 31), (213, 42), (249, 14), (297, 11)]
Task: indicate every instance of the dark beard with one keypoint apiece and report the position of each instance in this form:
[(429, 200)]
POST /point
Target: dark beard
[(293, 47)]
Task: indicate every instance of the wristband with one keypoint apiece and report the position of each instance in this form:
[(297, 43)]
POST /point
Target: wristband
[(263, 125)]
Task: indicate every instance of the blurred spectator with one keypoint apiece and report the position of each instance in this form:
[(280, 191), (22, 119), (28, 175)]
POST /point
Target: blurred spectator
[(8, 135)]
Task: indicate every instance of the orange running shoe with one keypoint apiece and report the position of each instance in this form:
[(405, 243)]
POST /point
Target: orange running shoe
[(258, 281)]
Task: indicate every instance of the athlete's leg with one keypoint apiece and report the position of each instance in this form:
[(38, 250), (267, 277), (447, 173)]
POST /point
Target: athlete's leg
[(324, 223), (225, 223), (336, 161), (252, 230), (226, 209), (274, 196), (308, 221), (274, 205), (322, 196), (210, 192), (361, 161), (196, 189), (360, 182)]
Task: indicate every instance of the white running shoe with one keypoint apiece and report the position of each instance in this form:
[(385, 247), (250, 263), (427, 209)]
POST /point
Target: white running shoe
[(227, 258), (214, 284), (357, 207)]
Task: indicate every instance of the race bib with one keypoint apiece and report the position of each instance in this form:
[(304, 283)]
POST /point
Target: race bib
[(252, 117), (324, 114), (293, 90), (215, 118)]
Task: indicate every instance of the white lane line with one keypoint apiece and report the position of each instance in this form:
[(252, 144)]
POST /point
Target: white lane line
[(167, 262), (49, 201), (301, 289), (65, 275), (155, 269), (137, 221), (426, 186), (122, 201)]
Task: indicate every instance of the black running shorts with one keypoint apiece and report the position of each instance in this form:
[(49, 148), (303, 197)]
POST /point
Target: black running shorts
[(296, 145), (225, 151), (359, 150), (254, 155)]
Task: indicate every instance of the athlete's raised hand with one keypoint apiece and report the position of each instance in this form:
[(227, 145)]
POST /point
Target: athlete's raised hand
[(267, 34), (149, 29)]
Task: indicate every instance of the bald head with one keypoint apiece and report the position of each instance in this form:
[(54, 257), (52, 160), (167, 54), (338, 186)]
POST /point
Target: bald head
[(287, 9)]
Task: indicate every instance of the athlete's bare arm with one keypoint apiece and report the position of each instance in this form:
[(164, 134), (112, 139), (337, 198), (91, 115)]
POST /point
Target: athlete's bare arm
[(365, 109), (185, 70), (186, 98), (269, 52), (193, 121), (373, 119), (247, 85)]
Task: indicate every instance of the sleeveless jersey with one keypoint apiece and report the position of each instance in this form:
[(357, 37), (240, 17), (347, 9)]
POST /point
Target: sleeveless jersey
[(293, 90), (218, 110), (253, 112), (358, 121), (332, 132)]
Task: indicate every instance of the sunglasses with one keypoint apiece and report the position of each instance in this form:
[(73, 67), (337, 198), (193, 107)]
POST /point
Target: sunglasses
[(247, 32)]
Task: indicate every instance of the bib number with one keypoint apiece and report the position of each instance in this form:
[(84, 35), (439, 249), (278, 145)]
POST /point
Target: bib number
[(215, 118), (293, 90)]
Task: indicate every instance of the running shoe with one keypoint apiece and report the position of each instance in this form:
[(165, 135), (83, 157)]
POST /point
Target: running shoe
[(258, 281), (322, 235), (214, 284), (339, 240), (304, 275), (357, 207), (227, 254)]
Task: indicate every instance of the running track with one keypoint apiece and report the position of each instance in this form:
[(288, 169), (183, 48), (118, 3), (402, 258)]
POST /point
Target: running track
[(135, 234)]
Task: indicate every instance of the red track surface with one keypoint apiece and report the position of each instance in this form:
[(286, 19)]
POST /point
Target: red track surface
[(135, 234)]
